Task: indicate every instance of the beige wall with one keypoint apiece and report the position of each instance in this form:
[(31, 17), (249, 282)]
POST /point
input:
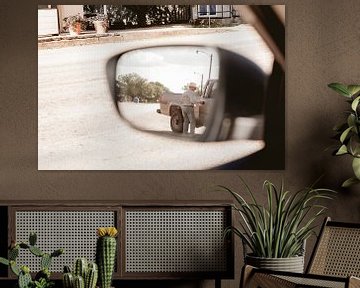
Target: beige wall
[(322, 46)]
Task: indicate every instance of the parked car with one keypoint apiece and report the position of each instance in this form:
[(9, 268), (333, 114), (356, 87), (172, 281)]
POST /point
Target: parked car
[(170, 105)]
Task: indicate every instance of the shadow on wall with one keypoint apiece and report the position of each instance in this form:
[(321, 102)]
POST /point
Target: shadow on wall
[(330, 170)]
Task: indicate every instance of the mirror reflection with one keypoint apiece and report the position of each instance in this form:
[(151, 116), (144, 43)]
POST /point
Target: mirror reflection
[(168, 89)]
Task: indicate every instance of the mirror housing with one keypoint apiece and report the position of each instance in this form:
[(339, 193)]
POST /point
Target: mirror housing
[(242, 86)]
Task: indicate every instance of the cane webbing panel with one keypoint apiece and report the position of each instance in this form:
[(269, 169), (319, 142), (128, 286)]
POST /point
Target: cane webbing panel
[(175, 241), (75, 231), (313, 282), (338, 252)]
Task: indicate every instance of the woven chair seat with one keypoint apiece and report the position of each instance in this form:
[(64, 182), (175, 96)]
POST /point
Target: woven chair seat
[(335, 262)]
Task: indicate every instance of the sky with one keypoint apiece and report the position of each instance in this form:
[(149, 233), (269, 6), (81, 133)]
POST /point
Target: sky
[(173, 66)]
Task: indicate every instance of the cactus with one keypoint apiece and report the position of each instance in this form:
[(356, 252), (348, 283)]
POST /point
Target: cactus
[(36, 251), (4, 261), (24, 278), (105, 254), (90, 272), (57, 252), (80, 267), (32, 238), (45, 261), (13, 253), (79, 282), (14, 268), (44, 273), (91, 276), (68, 280)]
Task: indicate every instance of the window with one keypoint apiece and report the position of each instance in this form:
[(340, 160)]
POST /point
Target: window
[(214, 11)]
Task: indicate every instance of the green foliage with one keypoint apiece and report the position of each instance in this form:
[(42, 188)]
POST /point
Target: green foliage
[(279, 229), (127, 16), (42, 278), (133, 85), (348, 133), (43, 283)]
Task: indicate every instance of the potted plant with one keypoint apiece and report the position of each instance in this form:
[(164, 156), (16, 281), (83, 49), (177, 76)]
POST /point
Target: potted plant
[(42, 278), (84, 274), (106, 254), (100, 22), (75, 24), (348, 132), (274, 234)]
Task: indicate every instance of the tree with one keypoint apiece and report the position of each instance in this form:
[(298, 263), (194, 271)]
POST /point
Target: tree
[(132, 86)]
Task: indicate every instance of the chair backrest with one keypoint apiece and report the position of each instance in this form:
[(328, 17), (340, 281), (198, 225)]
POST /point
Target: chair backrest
[(337, 251)]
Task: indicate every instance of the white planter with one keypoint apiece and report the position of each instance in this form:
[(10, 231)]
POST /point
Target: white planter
[(291, 264), (100, 27)]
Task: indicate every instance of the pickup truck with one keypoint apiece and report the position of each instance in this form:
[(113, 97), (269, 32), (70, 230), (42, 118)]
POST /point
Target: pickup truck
[(170, 105)]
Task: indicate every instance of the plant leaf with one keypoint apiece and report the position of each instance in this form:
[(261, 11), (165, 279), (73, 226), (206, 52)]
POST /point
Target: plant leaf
[(345, 134), (354, 144), (353, 89), (4, 261), (356, 167), (349, 182), (342, 150), (340, 88), (355, 103), (351, 120)]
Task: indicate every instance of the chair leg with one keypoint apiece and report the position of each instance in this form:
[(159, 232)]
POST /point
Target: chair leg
[(246, 273), (217, 283)]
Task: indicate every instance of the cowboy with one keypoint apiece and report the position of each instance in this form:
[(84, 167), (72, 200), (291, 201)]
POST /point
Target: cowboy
[(188, 99)]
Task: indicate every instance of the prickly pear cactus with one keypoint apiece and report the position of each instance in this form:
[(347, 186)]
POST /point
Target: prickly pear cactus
[(13, 253), (36, 251), (45, 261), (24, 280), (106, 254), (32, 238)]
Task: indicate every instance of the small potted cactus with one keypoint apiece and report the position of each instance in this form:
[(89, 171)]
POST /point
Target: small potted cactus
[(106, 254), (84, 275), (42, 278)]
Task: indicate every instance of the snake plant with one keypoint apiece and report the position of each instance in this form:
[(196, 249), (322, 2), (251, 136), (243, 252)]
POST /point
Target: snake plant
[(280, 228), (348, 133)]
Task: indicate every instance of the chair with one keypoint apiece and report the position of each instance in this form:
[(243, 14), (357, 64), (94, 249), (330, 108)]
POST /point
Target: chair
[(334, 263)]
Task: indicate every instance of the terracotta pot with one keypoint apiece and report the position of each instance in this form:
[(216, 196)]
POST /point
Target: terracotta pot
[(75, 29), (291, 264), (101, 27)]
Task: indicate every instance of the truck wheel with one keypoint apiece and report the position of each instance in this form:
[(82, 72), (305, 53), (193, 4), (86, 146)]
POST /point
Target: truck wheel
[(176, 121)]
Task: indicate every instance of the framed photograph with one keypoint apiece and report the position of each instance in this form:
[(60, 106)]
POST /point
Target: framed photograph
[(161, 87)]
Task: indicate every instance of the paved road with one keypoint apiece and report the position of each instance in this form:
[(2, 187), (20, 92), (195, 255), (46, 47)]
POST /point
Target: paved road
[(78, 125)]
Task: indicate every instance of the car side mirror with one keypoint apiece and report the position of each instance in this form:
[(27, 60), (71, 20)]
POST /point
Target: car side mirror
[(151, 88)]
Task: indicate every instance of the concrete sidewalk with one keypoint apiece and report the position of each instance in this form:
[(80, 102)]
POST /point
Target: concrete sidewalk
[(90, 37)]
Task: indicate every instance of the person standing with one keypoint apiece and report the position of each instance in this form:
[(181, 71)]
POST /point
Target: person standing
[(188, 100)]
